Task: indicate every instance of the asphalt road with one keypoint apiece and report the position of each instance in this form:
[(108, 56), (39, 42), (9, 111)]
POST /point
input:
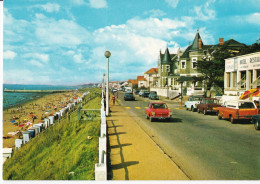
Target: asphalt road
[(204, 147)]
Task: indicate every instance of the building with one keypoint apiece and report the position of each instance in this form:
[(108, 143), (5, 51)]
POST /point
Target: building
[(181, 68), (151, 76), (132, 82), (141, 81), (242, 73)]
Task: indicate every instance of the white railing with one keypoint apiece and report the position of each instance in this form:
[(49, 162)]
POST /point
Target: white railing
[(101, 166)]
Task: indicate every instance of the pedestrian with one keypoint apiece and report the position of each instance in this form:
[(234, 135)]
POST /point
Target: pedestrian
[(113, 99)]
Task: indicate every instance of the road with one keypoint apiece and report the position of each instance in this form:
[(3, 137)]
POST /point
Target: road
[(204, 147)]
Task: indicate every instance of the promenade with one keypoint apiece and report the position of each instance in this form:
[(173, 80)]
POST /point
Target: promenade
[(132, 154)]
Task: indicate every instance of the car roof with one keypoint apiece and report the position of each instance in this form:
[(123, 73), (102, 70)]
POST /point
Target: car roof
[(157, 103)]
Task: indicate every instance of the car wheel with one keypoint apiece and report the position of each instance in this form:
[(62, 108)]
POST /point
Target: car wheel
[(198, 110), (147, 117), (192, 109), (232, 120), (219, 116), (257, 125), (204, 112), (151, 119)]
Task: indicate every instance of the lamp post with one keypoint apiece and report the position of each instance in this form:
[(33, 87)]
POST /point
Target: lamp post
[(107, 55)]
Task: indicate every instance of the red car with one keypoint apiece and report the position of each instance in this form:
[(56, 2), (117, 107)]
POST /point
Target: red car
[(208, 105), (158, 110)]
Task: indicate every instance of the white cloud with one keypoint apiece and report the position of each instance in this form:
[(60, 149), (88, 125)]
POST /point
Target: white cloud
[(78, 2), (9, 54), (253, 18), (155, 13), (42, 57), (172, 3), (50, 7), (98, 3), (205, 12), (36, 63), (65, 33), (78, 58)]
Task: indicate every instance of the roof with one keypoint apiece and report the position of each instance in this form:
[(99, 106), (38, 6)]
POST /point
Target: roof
[(152, 71), (195, 44), (140, 78), (233, 43), (166, 58), (133, 81)]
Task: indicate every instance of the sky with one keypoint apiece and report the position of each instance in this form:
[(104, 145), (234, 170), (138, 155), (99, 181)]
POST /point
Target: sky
[(62, 42)]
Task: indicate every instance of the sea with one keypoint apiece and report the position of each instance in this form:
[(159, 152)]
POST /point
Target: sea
[(14, 99)]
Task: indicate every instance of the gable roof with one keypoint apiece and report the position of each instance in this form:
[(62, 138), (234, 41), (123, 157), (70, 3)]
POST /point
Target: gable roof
[(133, 81), (152, 71), (140, 78)]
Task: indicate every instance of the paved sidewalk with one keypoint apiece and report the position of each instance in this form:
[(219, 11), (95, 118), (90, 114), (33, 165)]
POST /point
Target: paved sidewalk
[(133, 154)]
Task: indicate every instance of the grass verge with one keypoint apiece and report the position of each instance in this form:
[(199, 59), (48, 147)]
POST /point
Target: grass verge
[(68, 150)]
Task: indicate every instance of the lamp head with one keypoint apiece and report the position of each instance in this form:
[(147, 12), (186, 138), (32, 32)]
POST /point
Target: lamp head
[(107, 54)]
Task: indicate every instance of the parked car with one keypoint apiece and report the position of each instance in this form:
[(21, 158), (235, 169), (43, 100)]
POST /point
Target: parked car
[(137, 92), (128, 90), (237, 110), (208, 105), (129, 96), (256, 121), (192, 103), (158, 110), (141, 92), (145, 94), (153, 96)]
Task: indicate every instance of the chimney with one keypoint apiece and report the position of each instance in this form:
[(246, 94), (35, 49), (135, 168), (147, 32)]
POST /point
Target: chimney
[(200, 44), (221, 41)]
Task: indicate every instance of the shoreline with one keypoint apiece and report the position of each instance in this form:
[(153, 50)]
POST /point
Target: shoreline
[(40, 107)]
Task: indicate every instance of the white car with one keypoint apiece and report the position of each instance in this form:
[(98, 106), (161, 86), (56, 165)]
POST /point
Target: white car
[(192, 103)]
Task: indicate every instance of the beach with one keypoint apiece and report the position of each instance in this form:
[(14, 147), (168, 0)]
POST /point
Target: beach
[(21, 117)]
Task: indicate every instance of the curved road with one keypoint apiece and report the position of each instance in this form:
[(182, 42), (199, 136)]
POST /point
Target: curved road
[(204, 147)]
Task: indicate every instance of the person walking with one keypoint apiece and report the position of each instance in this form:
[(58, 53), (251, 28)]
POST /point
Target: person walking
[(113, 99)]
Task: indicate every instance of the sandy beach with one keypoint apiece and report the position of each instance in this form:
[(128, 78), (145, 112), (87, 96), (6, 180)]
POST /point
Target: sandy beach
[(31, 113)]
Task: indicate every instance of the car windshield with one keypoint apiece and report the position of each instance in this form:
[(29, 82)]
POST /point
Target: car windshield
[(159, 106), (146, 92), (246, 105), (128, 94)]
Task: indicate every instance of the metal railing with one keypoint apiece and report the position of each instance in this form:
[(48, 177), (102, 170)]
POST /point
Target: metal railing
[(101, 166)]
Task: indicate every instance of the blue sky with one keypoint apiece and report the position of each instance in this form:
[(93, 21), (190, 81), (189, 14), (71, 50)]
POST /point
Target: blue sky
[(63, 42)]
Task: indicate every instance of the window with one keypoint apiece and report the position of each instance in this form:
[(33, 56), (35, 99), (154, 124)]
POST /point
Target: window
[(183, 64), (194, 63), (167, 68)]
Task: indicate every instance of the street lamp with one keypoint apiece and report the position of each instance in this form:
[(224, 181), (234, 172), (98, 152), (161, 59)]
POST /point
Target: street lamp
[(107, 55)]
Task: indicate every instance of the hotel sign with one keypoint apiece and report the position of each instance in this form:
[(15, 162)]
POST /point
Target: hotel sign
[(249, 63)]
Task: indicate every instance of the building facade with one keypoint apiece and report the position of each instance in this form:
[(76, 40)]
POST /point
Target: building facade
[(183, 65), (242, 73)]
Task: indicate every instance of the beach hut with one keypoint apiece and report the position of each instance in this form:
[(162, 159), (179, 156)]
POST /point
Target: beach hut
[(59, 115), (61, 112), (51, 119), (18, 143), (7, 153), (38, 126), (47, 122), (32, 132), (26, 137), (42, 125)]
